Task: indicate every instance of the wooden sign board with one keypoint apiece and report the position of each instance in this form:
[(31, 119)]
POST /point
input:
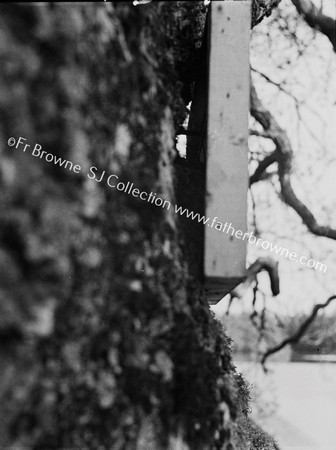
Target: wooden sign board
[(227, 147)]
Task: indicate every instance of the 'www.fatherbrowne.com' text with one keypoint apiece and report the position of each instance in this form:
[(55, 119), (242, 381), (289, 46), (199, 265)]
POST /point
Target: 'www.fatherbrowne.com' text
[(263, 243)]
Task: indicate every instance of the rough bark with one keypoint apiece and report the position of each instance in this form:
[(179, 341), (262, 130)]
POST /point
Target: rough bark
[(133, 358)]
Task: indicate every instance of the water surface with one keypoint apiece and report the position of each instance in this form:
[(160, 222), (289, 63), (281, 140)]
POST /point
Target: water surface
[(303, 396)]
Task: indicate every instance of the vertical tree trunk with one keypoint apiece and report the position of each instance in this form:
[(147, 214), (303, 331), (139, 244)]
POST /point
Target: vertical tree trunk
[(134, 358)]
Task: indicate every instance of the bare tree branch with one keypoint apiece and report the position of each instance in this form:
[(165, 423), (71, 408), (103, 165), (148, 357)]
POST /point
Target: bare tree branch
[(261, 263), (262, 134), (316, 19), (276, 84), (284, 156), (263, 165), (299, 333)]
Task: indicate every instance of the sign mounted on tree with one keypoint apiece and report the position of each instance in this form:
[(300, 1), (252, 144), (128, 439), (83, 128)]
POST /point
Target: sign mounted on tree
[(227, 145), (220, 111)]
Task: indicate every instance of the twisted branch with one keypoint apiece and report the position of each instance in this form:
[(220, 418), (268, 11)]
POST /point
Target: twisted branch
[(295, 338), (283, 154)]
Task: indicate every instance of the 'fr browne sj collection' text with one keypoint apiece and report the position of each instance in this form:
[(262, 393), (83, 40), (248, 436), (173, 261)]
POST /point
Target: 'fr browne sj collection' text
[(93, 173)]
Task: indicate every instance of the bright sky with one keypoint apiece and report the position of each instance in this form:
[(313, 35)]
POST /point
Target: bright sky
[(310, 78), (328, 7)]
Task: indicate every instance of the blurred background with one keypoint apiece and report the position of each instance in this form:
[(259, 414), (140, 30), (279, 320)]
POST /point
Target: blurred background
[(293, 64)]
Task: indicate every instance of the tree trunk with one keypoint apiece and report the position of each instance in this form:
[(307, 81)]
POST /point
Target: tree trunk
[(133, 358)]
